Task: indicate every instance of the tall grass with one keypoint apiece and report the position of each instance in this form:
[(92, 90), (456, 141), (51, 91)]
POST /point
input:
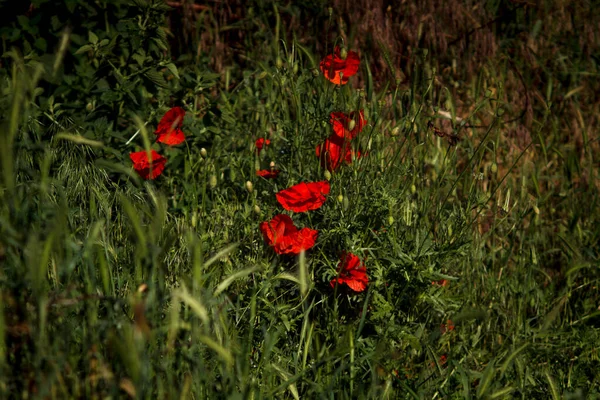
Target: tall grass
[(482, 256)]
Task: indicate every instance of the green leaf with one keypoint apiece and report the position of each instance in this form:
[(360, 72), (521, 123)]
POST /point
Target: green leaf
[(92, 37), (84, 49), (156, 78), (486, 379), (173, 69)]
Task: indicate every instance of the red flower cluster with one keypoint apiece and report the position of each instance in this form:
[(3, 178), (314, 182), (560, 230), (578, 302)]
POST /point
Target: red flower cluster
[(304, 196), (337, 69), (260, 143), (352, 272), (448, 326), (148, 168), (281, 234), (337, 148), (168, 132)]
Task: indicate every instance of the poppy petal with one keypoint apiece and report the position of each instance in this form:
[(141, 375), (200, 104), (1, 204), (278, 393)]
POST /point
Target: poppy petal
[(281, 234), (304, 196), (338, 70), (148, 168), (268, 173), (169, 128)]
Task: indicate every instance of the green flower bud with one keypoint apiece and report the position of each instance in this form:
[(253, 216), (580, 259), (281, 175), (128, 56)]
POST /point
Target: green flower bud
[(351, 124), (340, 198), (203, 152), (327, 175), (343, 53), (390, 220), (413, 189), (257, 209), (494, 168), (279, 63), (249, 186), (212, 181)]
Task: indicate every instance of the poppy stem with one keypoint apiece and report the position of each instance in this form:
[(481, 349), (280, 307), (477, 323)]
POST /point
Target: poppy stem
[(135, 135)]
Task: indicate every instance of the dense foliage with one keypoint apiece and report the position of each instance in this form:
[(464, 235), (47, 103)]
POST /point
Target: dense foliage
[(148, 248)]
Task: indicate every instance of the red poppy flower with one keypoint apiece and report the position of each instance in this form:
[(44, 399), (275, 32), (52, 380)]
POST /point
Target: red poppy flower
[(268, 173), (339, 70), (146, 168), (441, 282), (448, 326), (341, 123), (352, 272), (260, 143), (334, 151), (281, 234), (304, 196), (169, 128)]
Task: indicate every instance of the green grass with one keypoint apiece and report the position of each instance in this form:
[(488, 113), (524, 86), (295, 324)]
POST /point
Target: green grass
[(112, 286)]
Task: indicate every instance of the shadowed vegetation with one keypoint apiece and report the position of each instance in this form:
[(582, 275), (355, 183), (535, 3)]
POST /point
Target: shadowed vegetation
[(473, 203)]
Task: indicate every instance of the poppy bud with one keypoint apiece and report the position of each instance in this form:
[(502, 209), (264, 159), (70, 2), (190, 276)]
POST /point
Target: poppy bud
[(194, 219), (249, 186), (395, 131), (272, 164), (213, 181), (279, 63), (89, 107), (203, 152), (346, 203), (340, 198), (536, 210), (327, 175), (494, 168), (315, 72), (351, 125), (262, 75), (295, 68), (390, 220), (343, 53), (413, 189), (257, 209)]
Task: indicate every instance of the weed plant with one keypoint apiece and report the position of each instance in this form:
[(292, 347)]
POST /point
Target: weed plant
[(116, 286)]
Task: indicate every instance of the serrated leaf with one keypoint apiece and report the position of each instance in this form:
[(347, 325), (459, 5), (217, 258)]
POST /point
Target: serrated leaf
[(173, 69), (156, 78)]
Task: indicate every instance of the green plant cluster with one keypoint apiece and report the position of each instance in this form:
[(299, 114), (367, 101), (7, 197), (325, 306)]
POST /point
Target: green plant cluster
[(111, 286)]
